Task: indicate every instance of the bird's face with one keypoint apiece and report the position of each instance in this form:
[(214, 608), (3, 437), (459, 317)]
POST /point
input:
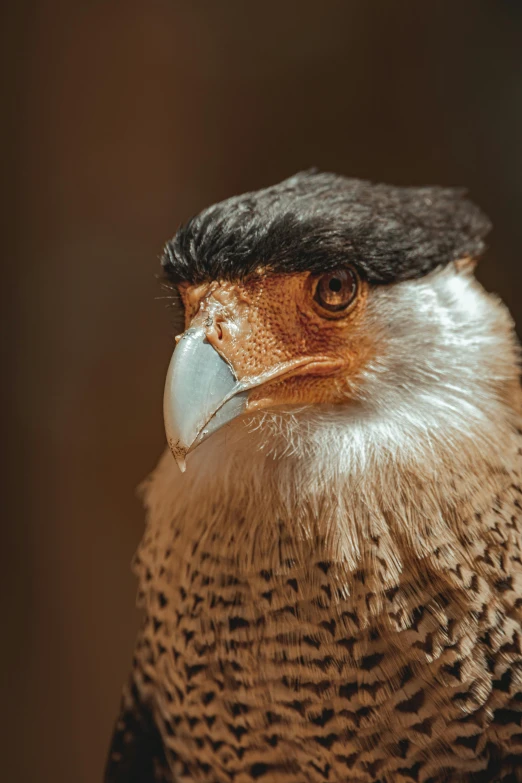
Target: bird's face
[(359, 321), (270, 340)]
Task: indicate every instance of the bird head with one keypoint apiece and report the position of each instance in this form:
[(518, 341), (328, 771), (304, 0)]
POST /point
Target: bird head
[(327, 294)]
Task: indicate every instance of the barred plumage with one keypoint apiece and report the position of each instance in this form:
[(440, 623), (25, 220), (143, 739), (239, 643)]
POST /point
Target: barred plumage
[(334, 592)]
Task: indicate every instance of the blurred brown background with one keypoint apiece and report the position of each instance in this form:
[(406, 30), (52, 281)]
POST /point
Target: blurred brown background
[(121, 119)]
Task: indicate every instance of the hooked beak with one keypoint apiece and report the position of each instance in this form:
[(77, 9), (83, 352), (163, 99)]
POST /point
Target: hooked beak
[(201, 394)]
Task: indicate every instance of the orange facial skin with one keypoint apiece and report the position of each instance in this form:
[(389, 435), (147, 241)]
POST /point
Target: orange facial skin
[(271, 326)]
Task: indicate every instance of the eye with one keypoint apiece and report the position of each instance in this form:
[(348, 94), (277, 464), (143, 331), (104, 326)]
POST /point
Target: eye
[(336, 290)]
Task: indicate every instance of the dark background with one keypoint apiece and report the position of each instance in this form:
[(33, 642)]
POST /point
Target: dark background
[(121, 119)]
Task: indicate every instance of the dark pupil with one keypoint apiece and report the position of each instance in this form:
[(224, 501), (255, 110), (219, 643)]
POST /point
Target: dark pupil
[(335, 285)]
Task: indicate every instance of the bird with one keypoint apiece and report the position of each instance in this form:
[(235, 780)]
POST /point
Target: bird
[(331, 570)]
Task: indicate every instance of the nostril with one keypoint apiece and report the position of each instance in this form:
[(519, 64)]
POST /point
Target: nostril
[(219, 331)]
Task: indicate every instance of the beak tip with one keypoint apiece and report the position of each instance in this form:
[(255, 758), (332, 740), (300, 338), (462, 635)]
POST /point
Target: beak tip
[(179, 453)]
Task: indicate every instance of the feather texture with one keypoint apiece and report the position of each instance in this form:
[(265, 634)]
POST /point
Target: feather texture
[(333, 594), (316, 222)]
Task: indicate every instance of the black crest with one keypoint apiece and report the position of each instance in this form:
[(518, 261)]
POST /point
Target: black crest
[(316, 222)]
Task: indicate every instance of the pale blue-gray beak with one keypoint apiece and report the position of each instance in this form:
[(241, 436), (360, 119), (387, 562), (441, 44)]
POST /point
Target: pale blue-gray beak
[(202, 394)]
